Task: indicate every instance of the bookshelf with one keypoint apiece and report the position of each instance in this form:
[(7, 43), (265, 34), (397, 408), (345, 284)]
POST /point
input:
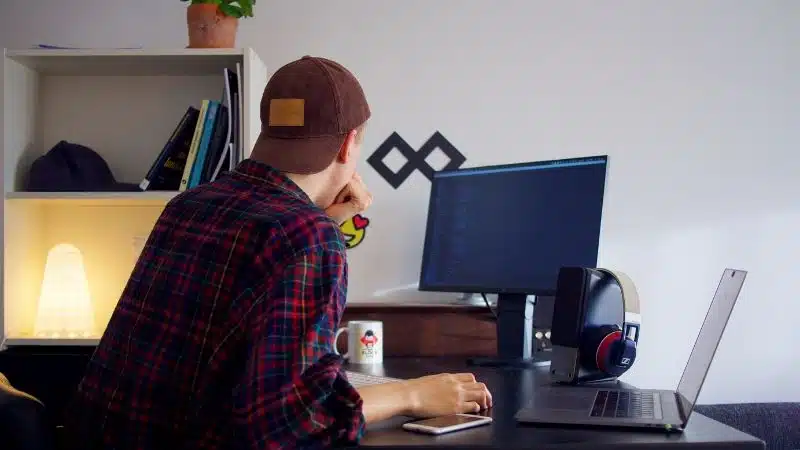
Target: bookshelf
[(124, 105)]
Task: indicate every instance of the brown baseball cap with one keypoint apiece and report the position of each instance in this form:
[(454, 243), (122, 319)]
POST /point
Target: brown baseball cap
[(307, 109)]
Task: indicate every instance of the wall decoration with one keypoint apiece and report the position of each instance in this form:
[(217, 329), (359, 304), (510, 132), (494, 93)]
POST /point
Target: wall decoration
[(415, 159), (354, 230)]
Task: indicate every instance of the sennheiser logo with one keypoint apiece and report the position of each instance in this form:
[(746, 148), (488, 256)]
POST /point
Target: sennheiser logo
[(415, 159), (625, 361)]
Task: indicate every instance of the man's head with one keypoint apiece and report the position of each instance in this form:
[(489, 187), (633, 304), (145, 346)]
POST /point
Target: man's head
[(313, 114)]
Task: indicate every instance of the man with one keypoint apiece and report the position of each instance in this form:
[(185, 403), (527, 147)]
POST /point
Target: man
[(223, 336)]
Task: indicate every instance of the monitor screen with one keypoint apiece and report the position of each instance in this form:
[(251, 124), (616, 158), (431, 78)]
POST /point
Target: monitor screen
[(509, 229)]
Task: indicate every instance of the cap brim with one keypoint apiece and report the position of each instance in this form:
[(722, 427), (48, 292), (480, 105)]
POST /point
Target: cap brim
[(301, 156)]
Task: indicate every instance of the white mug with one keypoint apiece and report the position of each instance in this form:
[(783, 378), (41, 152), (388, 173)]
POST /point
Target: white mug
[(364, 341)]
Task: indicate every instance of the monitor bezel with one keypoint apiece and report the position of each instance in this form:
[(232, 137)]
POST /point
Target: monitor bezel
[(425, 287)]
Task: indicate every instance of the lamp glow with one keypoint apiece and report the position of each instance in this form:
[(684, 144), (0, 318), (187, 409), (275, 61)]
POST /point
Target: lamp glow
[(65, 305)]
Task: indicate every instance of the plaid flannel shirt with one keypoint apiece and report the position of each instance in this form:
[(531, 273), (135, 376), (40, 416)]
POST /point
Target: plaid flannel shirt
[(223, 336)]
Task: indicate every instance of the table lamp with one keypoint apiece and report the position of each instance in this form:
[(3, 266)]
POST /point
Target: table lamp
[(65, 305)]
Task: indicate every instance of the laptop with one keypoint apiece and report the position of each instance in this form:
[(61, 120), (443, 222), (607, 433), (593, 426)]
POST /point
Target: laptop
[(642, 408)]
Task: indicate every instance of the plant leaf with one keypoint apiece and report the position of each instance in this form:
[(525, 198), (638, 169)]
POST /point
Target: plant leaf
[(230, 10), (245, 7)]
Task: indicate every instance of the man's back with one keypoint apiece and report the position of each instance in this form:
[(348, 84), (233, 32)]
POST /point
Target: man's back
[(225, 327)]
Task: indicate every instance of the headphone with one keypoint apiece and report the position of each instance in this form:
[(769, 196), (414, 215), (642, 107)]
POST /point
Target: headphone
[(609, 348)]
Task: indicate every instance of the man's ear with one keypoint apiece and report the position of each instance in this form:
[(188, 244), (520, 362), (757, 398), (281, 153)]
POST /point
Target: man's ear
[(345, 151)]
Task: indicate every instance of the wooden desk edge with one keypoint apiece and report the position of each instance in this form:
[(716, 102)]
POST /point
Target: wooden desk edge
[(408, 306)]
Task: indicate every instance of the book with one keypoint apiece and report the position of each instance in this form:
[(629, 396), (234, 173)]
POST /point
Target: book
[(234, 154), (240, 129), (165, 173), (198, 133), (223, 160), (206, 143), (190, 115), (230, 88), (217, 146), (234, 111), (203, 145)]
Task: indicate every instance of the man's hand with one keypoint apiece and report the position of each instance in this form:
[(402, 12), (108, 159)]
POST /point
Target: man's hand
[(353, 199), (430, 396), (445, 394)]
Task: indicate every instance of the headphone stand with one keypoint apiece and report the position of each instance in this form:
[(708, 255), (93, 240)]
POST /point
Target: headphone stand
[(515, 363), (588, 379), (593, 381)]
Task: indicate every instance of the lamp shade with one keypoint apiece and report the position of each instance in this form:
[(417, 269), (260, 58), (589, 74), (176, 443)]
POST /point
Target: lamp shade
[(65, 305)]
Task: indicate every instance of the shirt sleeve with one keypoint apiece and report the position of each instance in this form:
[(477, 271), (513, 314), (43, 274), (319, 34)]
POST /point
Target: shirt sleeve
[(294, 393)]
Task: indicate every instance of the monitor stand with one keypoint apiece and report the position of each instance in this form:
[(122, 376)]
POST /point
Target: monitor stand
[(514, 334)]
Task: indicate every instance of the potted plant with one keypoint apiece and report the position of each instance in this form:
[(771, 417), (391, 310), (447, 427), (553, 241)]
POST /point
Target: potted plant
[(214, 23)]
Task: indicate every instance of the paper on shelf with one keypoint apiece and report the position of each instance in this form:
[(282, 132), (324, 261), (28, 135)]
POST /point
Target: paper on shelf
[(60, 47)]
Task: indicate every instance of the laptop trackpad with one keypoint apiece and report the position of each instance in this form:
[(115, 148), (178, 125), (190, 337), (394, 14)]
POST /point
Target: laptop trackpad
[(565, 399)]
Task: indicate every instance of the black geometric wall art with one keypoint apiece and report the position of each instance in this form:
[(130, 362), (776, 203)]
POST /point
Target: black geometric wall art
[(415, 159)]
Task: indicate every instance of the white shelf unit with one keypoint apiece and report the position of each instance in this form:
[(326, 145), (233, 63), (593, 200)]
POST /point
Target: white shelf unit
[(123, 104)]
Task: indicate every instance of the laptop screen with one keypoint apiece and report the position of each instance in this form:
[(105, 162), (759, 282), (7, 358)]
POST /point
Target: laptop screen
[(708, 339)]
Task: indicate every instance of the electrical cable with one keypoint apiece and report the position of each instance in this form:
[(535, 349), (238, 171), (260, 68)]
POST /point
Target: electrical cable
[(488, 305)]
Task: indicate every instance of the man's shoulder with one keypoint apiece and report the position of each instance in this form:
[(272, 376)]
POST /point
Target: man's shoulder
[(294, 224), (301, 233), (310, 229)]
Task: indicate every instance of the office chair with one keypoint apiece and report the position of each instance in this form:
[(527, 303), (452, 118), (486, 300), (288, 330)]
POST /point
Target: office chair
[(23, 423)]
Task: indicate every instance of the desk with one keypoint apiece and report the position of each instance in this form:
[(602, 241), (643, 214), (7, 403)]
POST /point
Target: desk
[(511, 389)]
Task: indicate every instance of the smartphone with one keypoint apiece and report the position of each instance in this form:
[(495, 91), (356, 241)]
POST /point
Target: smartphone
[(447, 424)]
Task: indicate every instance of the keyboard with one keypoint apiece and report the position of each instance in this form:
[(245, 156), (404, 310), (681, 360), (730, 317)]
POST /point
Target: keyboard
[(361, 379), (630, 404)]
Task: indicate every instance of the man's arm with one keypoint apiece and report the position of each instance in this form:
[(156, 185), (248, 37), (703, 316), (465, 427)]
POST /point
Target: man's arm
[(292, 393), (384, 401), (428, 396)]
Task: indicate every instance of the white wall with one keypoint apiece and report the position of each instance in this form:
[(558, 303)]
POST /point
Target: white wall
[(696, 102)]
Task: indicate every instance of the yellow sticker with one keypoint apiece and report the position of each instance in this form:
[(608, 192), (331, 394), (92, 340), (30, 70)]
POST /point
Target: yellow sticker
[(354, 230)]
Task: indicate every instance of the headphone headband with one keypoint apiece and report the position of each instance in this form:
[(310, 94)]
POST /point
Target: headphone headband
[(632, 319)]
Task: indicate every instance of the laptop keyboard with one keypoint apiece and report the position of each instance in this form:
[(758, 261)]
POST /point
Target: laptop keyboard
[(631, 404), (361, 379)]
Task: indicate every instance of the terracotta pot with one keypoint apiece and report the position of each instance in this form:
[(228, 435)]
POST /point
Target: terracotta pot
[(209, 27)]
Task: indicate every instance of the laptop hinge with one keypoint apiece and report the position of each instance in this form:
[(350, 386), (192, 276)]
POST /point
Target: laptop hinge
[(681, 412)]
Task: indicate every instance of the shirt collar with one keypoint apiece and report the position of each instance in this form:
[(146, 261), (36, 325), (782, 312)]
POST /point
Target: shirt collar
[(258, 173)]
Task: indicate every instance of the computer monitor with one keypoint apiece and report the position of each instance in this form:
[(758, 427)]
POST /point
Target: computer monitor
[(508, 230)]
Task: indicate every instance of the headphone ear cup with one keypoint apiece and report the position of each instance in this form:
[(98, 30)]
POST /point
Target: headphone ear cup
[(593, 352), (623, 354)]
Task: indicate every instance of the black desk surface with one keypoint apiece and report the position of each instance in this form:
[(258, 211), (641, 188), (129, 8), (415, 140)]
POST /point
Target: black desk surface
[(511, 388), (32, 369)]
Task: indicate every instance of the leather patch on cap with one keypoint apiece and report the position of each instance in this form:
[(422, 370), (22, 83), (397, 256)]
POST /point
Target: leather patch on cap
[(287, 112)]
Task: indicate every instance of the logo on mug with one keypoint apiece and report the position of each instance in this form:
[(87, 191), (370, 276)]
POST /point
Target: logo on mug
[(369, 340)]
